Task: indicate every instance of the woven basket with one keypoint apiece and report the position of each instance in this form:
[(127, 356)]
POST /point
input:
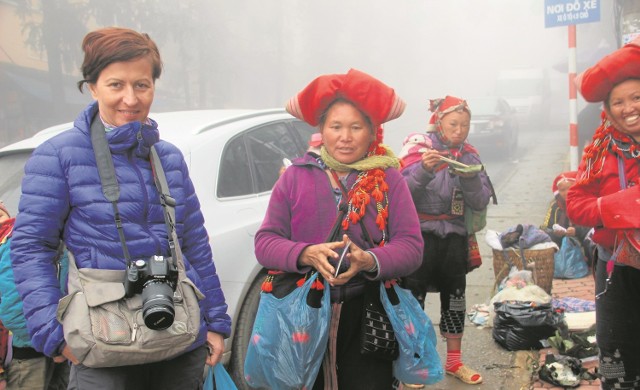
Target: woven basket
[(539, 262)]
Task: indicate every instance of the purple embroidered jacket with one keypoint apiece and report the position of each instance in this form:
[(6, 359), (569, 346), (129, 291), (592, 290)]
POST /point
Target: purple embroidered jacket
[(432, 193)]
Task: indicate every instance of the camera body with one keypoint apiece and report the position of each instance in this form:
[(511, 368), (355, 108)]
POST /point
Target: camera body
[(156, 279)]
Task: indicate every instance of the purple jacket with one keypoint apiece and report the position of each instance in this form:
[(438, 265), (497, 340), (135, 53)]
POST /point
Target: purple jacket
[(303, 209), (432, 192)]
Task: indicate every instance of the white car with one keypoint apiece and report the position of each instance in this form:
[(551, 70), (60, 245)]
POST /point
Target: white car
[(234, 159)]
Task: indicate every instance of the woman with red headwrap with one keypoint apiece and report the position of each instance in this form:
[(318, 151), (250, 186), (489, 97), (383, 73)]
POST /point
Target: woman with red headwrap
[(556, 223), (607, 195), (356, 174), (441, 193)]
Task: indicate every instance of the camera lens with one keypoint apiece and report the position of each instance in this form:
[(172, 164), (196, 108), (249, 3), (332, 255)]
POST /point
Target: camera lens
[(157, 305)]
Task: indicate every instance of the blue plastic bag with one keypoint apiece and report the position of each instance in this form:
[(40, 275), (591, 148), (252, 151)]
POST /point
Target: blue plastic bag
[(569, 261), (289, 340), (222, 379), (418, 362)]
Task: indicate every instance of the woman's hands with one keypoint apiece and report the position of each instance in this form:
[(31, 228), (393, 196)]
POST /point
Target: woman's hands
[(215, 345), (317, 256), (431, 159), (66, 352)]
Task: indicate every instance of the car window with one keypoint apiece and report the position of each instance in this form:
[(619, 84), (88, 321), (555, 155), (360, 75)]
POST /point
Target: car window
[(267, 146), (304, 130), (235, 175), (260, 151), (12, 168)]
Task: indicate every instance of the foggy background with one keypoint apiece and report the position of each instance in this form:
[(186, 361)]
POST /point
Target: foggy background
[(258, 53)]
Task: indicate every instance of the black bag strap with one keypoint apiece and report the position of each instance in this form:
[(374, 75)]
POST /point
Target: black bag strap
[(107, 172), (168, 205), (111, 190)]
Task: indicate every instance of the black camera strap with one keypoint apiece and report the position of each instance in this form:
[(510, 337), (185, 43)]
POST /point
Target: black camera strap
[(111, 190), (107, 172), (168, 206)]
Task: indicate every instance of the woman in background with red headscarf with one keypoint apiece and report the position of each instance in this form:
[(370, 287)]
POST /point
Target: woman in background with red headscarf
[(607, 196), (357, 174), (440, 193), (556, 223)]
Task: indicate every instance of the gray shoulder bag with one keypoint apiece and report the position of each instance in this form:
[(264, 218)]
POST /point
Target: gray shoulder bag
[(146, 313)]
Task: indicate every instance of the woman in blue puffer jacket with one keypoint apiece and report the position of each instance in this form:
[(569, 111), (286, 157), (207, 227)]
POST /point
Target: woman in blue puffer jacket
[(62, 198)]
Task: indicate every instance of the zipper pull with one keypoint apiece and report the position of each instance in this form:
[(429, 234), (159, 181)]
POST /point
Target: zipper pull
[(135, 330)]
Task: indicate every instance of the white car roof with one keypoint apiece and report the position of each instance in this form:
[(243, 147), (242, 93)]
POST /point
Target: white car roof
[(174, 126)]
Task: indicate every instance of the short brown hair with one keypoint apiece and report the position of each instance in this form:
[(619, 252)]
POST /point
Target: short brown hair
[(107, 45)]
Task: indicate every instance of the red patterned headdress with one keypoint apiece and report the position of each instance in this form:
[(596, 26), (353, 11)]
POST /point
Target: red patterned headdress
[(371, 96), (441, 107), (596, 83)]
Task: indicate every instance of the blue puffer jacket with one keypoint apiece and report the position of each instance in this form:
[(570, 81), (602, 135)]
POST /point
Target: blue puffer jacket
[(62, 197)]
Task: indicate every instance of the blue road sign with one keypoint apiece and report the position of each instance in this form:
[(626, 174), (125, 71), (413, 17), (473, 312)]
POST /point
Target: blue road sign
[(565, 12)]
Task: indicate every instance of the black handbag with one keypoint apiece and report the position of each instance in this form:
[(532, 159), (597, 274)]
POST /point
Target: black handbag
[(377, 337)]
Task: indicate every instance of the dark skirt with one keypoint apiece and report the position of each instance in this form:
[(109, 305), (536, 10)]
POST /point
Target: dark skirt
[(618, 326)]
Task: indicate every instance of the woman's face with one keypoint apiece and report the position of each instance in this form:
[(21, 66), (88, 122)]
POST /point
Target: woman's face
[(455, 126), (346, 133), (623, 108), (124, 91)]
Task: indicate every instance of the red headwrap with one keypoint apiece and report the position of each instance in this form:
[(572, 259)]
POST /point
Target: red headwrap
[(441, 107), (596, 83), (378, 101), (568, 176)]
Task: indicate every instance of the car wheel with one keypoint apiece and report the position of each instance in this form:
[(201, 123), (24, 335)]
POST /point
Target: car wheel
[(242, 335)]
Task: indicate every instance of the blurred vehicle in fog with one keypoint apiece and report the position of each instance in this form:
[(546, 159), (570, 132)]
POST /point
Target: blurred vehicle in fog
[(234, 159), (528, 91), (494, 126)]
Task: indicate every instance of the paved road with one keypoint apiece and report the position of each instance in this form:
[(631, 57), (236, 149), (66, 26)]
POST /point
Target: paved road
[(523, 187)]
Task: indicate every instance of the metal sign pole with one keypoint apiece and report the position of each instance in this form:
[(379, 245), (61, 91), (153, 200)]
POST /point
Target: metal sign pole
[(573, 103)]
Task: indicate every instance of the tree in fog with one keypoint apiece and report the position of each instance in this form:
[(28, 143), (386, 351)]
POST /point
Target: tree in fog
[(56, 28), (46, 34)]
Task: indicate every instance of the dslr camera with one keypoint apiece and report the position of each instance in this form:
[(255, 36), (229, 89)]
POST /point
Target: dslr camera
[(156, 280)]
